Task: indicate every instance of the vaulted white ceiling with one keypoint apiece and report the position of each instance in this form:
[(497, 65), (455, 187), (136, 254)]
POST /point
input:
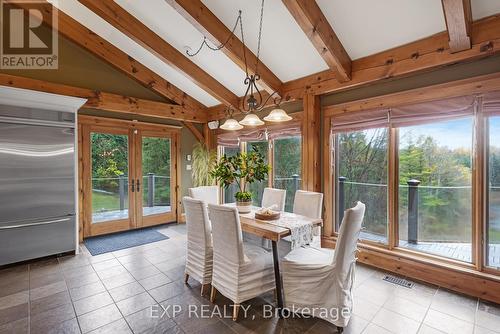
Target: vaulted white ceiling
[(364, 27)]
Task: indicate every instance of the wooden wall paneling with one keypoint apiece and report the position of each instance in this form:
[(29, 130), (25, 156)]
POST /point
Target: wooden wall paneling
[(393, 188), (210, 137), (80, 183), (479, 186), (311, 143), (328, 179), (98, 100), (86, 169), (178, 166), (474, 85)]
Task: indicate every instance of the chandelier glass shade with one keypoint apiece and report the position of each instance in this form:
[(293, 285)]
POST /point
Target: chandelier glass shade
[(277, 115), (251, 120), (231, 124)]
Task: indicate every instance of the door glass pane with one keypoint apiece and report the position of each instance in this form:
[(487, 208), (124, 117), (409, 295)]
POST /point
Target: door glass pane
[(155, 176), (435, 188), (362, 176), (287, 167), (257, 188), (493, 250), (230, 191), (109, 177)]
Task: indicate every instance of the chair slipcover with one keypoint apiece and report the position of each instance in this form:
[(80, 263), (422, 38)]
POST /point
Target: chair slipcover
[(309, 204), (270, 197), (209, 194), (317, 279), (241, 271), (275, 197), (199, 258)]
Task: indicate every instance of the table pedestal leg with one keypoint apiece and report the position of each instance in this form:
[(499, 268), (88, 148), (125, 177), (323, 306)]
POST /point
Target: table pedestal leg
[(277, 275)]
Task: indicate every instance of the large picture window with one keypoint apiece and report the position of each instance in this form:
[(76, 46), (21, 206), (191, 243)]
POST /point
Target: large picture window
[(493, 216), (361, 175), (435, 188), (257, 188), (287, 167), (230, 191)]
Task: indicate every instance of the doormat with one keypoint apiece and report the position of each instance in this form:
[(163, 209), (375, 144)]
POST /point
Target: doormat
[(121, 240)]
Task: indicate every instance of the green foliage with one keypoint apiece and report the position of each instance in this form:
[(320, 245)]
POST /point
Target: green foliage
[(204, 161), (243, 196), (241, 169)]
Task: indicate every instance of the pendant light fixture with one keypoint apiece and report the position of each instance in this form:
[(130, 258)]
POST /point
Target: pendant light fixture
[(254, 101)]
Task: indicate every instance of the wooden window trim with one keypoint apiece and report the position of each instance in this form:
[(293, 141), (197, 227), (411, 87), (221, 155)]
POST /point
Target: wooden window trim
[(380, 255)]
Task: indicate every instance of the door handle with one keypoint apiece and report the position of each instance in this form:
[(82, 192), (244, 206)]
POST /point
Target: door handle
[(133, 186), (138, 185)]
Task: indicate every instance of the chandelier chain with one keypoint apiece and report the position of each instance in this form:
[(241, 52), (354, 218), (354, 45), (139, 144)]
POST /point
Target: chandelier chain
[(260, 35)]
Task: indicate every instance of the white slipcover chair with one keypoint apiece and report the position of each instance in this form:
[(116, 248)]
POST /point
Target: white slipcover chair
[(308, 204), (272, 196), (199, 257), (209, 194), (323, 278), (241, 271)]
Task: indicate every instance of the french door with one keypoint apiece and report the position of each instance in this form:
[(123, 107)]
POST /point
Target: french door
[(129, 176)]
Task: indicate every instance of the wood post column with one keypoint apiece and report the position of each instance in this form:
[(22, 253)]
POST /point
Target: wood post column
[(311, 143)]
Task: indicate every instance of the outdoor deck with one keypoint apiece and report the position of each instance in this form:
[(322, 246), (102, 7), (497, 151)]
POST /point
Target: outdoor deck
[(457, 251), (99, 217)]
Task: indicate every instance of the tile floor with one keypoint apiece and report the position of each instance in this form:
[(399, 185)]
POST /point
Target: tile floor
[(119, 292)]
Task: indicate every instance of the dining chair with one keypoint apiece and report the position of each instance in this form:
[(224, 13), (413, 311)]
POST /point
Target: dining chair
[(270, 197), (309, 204), (199, 258), (323, 278), (241, 271), (276, 197), (209, 194)]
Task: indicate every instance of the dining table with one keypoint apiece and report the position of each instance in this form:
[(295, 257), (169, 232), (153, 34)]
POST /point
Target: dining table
[(273, 230)]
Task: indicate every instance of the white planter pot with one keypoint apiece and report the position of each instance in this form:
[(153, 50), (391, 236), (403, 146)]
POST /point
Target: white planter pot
[(244, 207)]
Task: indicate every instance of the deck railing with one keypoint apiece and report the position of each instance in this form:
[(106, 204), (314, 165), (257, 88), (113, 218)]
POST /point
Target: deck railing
[(156, 190), (426, 213)]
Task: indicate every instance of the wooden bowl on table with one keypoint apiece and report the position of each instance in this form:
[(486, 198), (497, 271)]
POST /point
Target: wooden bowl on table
[(273, 216)]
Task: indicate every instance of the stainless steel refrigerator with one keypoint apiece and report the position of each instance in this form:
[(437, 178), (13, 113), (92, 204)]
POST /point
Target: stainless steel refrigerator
[(37, 183)]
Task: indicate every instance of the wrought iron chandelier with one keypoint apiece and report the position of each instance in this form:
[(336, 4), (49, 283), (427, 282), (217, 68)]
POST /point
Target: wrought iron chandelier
[(253, 99)]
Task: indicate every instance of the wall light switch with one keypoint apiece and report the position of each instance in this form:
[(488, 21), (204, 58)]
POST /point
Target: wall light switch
[(188, 167), (188, 157)]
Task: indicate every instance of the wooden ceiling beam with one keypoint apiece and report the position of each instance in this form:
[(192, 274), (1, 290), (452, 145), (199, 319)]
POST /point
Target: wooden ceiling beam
[(107, 101), (209, 25), (315, 25), (88, 40), (416, 57), (122, 20), (458, 17), (196, 133)]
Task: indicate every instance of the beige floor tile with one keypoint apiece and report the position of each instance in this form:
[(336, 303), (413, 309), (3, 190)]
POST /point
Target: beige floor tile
[(447, 323), (155, 281), (86, 290), (406, 308), (481, 330), (364, 308), (395, 322), (374, 329), (488, 320), (48, 290), (14, 299), (117, 327), (99, 318), (135, 303), (126, 291), (114, 282), (92, 303)]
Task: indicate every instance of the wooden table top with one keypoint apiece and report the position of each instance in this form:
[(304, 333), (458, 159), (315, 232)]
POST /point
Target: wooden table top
[(265, 229)]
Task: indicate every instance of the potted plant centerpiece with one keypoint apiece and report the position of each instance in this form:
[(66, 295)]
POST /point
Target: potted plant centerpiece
[(242, 169)]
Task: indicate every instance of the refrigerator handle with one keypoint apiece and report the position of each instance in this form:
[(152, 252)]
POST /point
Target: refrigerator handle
[(35, 223)]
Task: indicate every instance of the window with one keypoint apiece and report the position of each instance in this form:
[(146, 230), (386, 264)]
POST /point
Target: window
[(361, 175), (493, 217), (230, 191), (257, 188), (287, 167), (435, 188)]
